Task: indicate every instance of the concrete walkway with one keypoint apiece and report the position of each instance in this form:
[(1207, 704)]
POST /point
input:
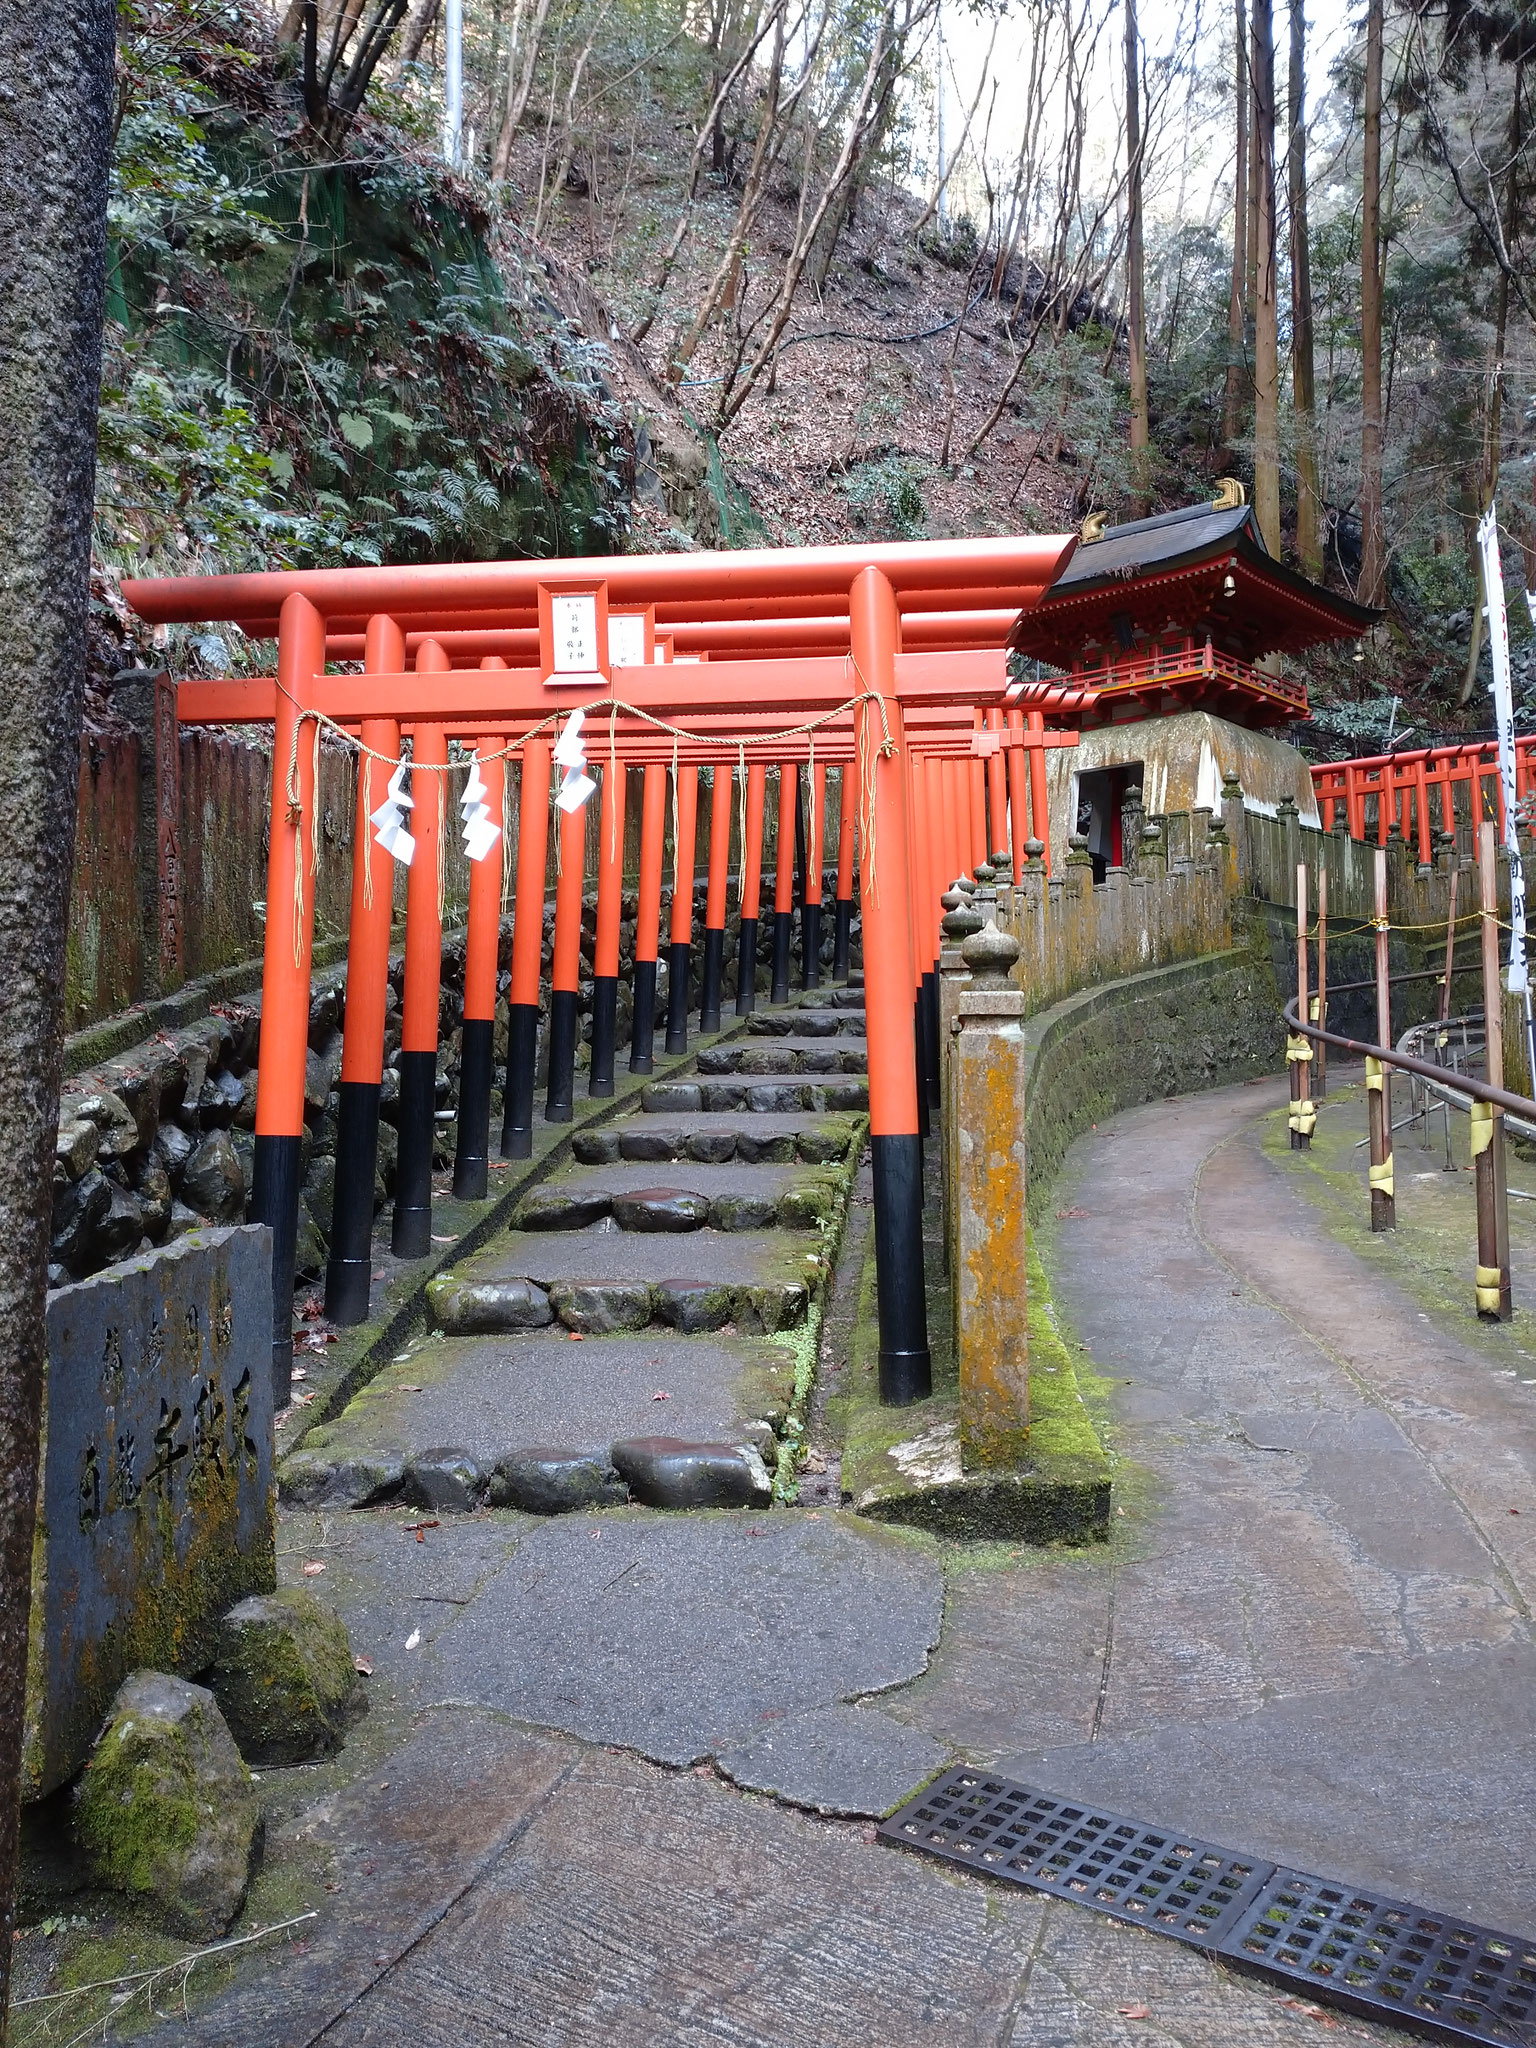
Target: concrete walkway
[(1309, 1638)]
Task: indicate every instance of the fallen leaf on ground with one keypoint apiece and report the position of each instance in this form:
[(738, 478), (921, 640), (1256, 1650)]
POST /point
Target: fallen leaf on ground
[(660, 1396), (1134, 2012), (409, 1390), (1075, 1215), (301, 1372), (413, 1639), (416, 1528), (815, 1462), (576, 1336), (363, 1664), (313, 1571)]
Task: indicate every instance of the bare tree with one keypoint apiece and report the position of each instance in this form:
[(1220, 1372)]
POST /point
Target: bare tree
[(56, 126), (1309, 548), (1237, 303), (1372, 535), (1135, 269), (1266, 302), (522, 55)]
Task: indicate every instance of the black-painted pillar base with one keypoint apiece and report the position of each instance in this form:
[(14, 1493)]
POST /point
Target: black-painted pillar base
[(842, 929), (935, 1049), (410, 1235), (477, 1069), (810, 945), (920, 1057), (348, 1270), (275, 1202), (783, 931), (746, 968), (906, 1370), (709, 994), (560, 1102), (605, 1010), (678, 959), (522, 1048), (642, 1039)]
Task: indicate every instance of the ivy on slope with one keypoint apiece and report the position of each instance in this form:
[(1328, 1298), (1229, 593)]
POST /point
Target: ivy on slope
[(317, 361)]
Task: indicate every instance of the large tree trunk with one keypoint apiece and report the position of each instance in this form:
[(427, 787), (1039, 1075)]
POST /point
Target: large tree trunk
[(55, 147), (1372, 537), (1493, 415), (1266, 301), (1237, 354), (1309, 544), (1135, 273)]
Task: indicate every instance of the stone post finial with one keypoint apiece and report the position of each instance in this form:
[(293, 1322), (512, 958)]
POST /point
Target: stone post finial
[(1002, 865), (990, 954), (985, 874), (1078, 855), (1034, 853), (965, 885), (951, 899), (959, 925)]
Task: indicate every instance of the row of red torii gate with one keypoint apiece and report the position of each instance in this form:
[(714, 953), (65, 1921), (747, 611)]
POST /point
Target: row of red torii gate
[(887, 666)]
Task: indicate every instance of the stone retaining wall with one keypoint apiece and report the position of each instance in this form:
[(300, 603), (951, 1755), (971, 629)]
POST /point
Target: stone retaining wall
[(1197, 1024)]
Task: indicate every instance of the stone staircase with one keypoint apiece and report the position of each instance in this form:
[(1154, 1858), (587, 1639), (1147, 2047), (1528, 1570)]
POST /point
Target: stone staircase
[(667, 1277)]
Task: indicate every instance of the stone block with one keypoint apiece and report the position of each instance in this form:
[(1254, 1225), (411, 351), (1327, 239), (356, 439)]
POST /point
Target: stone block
[(213, 1181), (650, 1142), (671, 1098), (595, 1148), (476, 1308), (847, 1095), (765, 1148), (823, 1145), (446, 1481), (561, 1209), (743, 1212), (776, 1305), (719, 1059), (721, 1097), (665, 1472), (601, 1308), (555, 1482), (692, 1306), (155, 1510), (775, 1099), (284, 1678), (669, 1211), (310, 1479), (806, 1206), (767, 1059), (166, 1813), (712, 1148)]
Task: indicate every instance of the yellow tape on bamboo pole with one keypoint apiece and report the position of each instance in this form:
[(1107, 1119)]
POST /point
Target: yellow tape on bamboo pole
[(1482, 1127), (1381, 1178), (1373, 1071), (1490, 1288)]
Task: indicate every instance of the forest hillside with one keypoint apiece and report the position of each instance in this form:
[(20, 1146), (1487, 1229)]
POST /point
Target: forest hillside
[(694, 274)]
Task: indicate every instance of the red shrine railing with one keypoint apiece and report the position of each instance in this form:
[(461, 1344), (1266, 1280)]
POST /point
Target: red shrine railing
[(1202, 667), (1379, 791)]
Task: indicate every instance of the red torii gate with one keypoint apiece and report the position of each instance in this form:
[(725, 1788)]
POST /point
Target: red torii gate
[(842, 644)]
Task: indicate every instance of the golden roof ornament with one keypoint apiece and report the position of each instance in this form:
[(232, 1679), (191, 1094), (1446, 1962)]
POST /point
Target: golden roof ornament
[(1230, 493), (1093, 527)]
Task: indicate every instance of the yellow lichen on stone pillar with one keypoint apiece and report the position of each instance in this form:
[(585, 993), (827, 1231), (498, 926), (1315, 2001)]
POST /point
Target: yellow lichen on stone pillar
[(989, 1274)]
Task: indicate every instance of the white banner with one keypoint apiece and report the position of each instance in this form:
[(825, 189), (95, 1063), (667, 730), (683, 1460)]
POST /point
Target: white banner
[(1504, 718)]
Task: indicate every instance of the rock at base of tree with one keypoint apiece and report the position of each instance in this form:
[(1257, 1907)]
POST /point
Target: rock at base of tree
[(284, 1678), (165, 1812)]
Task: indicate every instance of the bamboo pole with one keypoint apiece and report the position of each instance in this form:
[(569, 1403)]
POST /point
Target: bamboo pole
[(1494, 1301), (1299, 1052), (1378, 1076), (1320, 1000)]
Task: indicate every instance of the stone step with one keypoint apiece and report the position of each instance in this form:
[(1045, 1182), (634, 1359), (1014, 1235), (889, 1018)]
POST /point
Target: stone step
[(625, 1195), (605, 1282), (786, 1056), (450, 1427), (807, 1023), (710, 1138), (773, 1097)]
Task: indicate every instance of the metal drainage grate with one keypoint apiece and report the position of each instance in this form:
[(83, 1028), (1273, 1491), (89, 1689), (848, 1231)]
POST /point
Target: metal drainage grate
[(1384, 1958), (1185, 1888), (1389, 1959)]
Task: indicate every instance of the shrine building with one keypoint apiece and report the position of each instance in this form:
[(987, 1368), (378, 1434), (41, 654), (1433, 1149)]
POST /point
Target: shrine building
[(1181, 623)]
